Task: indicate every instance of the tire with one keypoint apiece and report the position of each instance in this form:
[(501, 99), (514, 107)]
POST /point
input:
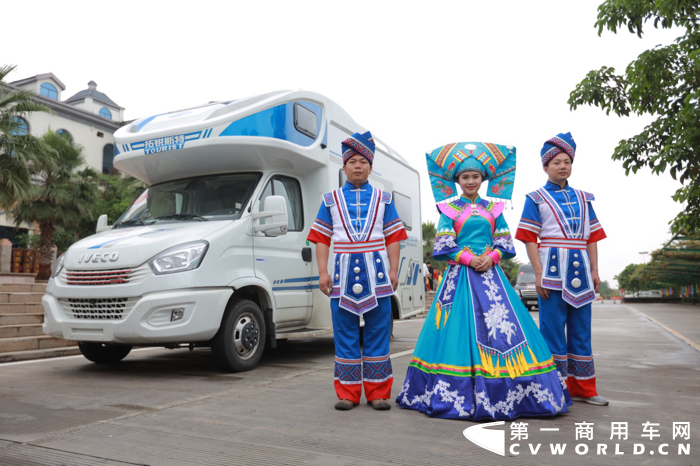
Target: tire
[(240, 341), (102, 353)]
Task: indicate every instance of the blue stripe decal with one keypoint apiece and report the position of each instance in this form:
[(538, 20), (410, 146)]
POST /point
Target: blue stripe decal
[(276, 122), (288, 288), (296, 280), (336, 154), (146, 121)]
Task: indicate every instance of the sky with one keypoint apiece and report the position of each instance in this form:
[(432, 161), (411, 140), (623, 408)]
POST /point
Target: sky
[(419, 75)]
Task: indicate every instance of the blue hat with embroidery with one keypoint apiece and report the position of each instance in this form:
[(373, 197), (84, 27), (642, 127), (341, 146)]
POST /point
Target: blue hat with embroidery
[(359, 144), (495, 162), (562, 142)]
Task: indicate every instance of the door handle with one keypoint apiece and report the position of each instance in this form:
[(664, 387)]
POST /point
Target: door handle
[(306, 254)]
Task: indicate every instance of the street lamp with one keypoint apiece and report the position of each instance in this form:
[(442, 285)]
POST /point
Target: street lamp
[(644, 254)]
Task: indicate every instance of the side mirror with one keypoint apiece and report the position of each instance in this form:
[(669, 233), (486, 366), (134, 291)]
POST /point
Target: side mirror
[(102, 224), (274, 209)]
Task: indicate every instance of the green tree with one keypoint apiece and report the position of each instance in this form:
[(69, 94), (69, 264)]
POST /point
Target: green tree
[(510, 267), (663, 82), (17, 148), (115, 196), (429, 232), (59, 195), (624, 278), (606, 291)]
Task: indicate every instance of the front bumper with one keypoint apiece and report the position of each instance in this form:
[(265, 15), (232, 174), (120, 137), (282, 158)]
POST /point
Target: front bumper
[(144, 320)]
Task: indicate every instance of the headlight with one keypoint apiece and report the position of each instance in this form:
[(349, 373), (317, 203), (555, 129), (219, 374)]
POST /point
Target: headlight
[(58, 266), (180, 258)]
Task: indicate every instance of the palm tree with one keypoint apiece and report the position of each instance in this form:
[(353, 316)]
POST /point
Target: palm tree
[(59, 195), (510, 267), (429, 232), (17, 147)]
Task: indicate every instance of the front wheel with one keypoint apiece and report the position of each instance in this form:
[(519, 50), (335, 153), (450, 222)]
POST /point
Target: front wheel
[(239, 343), (103, 353)]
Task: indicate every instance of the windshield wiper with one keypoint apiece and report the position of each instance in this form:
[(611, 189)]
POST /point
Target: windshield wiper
[(136, 221), (182, 217)]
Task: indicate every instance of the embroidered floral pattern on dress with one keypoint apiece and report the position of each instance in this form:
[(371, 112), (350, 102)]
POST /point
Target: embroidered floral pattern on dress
[(446, 296), (446, 396), (534, 390), (444, 241), (503, 239), (505, 407), (497, 317)]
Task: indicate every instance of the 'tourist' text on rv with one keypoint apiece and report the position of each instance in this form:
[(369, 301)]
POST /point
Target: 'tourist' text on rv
[(214, 252)]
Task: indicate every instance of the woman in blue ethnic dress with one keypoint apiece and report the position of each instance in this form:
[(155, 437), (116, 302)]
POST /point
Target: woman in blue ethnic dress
[(480, 354)]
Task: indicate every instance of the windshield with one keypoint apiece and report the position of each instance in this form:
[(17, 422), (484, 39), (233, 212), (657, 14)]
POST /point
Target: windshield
[(198, 199), (526, 276)]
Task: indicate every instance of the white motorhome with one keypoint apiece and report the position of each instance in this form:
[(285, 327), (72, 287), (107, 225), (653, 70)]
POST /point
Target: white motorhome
[(214, 252)]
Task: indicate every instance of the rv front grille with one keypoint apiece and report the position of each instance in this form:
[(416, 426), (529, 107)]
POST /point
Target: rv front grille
[(104, 276), (97, 309)]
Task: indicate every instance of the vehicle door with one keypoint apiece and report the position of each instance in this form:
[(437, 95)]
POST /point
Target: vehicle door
[(279, 260)]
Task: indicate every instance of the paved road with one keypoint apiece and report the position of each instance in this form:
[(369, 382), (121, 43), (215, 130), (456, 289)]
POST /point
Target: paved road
[(161, 407)]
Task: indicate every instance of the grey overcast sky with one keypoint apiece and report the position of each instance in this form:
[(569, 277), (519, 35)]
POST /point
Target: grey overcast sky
[(417, 74)]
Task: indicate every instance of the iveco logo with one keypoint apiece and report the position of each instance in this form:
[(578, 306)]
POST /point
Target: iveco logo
[(98, 257)]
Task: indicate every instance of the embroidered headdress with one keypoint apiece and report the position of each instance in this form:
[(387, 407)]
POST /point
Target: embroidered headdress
[(562, 142), (359, 144), (495, 162)]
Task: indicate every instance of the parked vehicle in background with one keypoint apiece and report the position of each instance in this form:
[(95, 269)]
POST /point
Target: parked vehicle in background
[(214, 252), (525, 286)]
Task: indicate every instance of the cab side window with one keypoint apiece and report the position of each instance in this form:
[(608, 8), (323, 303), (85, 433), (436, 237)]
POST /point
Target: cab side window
[(290, 190)]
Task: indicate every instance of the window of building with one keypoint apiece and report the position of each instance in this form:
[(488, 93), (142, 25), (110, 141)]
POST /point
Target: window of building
[(290, 190), (66, 134), (22, 127), (107, 158), (105, 113), (403, 208), (49, 90)]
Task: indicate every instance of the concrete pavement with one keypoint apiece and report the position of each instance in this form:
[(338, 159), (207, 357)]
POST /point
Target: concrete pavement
[(161, 407)]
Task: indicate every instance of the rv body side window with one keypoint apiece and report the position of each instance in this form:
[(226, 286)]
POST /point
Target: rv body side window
[(403, 208), (305, 121), (290, 190)]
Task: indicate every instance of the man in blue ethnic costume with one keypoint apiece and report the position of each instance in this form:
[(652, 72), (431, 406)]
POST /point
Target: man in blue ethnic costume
[(480, 354), (566, 266), (365, 229)]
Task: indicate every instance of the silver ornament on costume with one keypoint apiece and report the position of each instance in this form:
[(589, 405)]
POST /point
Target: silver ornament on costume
[(380, 275), (576, 263), (356, 270), (552, 269), (357, 288), (576, 283)]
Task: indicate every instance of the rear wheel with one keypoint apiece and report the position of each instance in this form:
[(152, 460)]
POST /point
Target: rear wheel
[(103, 353), (239, 343)]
